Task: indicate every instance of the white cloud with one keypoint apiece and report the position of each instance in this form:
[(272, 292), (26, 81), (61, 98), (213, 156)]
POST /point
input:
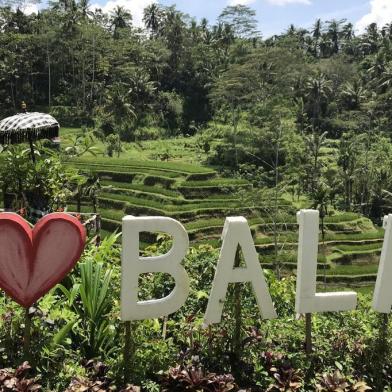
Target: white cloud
[(241, 2), (30, 8), (286, 2), (135, 7), (380, 13)]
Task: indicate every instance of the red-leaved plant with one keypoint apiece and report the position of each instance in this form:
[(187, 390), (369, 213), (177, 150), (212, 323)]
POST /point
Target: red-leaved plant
[(17, 380)]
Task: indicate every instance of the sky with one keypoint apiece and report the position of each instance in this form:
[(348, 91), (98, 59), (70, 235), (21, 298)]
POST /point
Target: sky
[(274, 16)]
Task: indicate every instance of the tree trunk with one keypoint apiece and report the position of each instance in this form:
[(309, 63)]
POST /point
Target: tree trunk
[(49, 76)]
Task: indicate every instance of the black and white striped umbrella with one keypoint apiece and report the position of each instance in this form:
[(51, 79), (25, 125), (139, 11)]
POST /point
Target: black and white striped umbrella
[(25, 127)]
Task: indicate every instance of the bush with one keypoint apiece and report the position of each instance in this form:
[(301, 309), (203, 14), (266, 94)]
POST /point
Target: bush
[(148, 133), (70, 116)]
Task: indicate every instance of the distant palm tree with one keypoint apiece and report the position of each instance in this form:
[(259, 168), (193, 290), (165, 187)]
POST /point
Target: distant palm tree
[(324, 46), (348, 32), (371, 39), (318, 90), (316, 33), (291, 30), (153, 17), (317, 30), (386, 78), (387, 31), (334, 33), (377, 68), (120, 19), (84, 8), (353, 94), (314, 142), (118, 107)]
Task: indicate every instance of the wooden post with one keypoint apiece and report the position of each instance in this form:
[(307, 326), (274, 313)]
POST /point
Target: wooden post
[(32, 148), (27, 336), (308, 333), (236, 342), (128, 352), (98, 229), (385, 320)]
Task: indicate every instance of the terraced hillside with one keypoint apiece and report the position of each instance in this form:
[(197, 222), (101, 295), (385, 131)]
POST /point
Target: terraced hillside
[(201, 199)]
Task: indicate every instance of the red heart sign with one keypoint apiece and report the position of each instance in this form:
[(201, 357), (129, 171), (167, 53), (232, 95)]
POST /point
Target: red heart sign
[(34, 261)]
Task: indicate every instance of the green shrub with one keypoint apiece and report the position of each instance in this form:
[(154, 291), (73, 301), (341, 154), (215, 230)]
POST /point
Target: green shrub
[(177, 167)]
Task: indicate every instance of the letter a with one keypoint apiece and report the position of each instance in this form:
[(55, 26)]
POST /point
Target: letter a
[(236, 232), (132, 265)]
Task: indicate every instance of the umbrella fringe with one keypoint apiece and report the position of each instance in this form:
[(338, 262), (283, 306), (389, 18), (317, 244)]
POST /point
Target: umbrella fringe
[(21, 136)]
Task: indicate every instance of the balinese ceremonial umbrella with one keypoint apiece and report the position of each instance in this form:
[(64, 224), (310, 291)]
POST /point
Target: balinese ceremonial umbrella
[(28, 127)]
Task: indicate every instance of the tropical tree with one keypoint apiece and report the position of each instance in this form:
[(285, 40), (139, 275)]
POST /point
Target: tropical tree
[(317, 93), (314, 143), (153, 17), (241, 19), (353, 94), (120, 18), (334, 33)]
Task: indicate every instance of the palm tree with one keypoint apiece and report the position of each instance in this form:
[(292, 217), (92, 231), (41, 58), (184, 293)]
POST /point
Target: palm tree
[(353, 94), (348, 32), (386, 78), (120, 19), (152, 18), (314, 142), (84, 10), (371, 39), (387, 31), (92, 189), (291, 30), (320, 198), (317, 90), (334, 33), (118, 107), (204, 31), (377, 68), (324, 46), (317, 29)]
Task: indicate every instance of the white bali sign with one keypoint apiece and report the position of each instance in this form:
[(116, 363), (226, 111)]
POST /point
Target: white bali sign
[(236, 233), (307, 301)]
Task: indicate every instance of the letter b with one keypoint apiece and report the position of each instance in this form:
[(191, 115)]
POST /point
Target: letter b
[(133, 266)]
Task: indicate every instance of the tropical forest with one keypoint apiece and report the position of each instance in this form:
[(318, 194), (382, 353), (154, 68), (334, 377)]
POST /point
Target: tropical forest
[(197, 120)]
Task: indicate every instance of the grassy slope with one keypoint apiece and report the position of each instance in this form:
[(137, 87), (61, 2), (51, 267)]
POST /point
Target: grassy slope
[(139, 183)]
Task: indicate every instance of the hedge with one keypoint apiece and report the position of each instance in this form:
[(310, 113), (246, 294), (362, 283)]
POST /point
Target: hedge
[(201, 176), (288, 265), (362, 247), (110, 225), (353, 269), (123, 169), (151, 180), (221, 182), (177, 167), (168, 207), (142, 188), (116, 176), (347, 278)]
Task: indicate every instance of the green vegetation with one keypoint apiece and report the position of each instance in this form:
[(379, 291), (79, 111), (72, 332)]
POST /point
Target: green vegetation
[(199, 121)]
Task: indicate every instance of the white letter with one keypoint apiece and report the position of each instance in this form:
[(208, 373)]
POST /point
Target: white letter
[(236, 232), (306, 300), (382, 297), (132, 265)]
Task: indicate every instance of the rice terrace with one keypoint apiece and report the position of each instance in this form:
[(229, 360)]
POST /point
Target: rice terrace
[(193, 204)]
